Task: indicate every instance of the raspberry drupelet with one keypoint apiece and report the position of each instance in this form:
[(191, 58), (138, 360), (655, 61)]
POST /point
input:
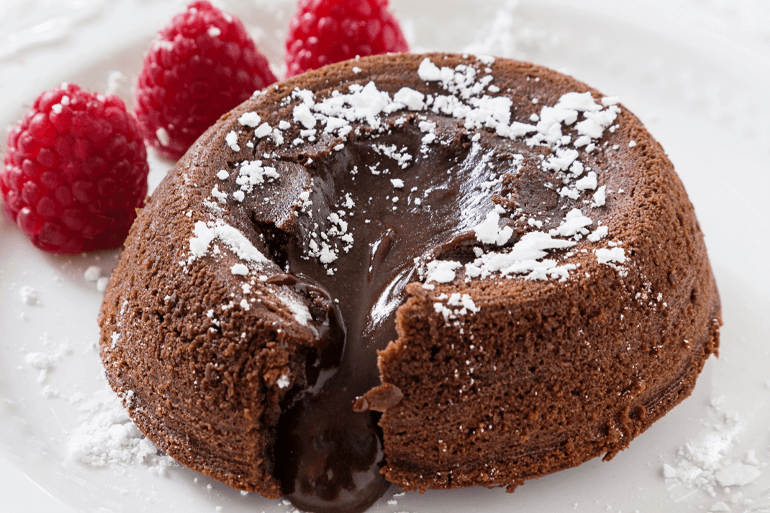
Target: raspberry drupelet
[(75, 171)]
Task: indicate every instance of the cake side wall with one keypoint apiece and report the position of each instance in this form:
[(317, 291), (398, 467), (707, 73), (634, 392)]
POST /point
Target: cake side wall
[(538, 393), (205, 392)]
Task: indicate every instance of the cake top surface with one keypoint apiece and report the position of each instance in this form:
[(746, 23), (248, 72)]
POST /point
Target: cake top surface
[(555, 146)]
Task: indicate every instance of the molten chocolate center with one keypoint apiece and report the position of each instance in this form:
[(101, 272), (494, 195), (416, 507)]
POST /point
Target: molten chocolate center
[(328, 456)]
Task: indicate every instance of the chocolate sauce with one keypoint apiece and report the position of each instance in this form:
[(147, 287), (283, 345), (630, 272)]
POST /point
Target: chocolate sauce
[(328, 454)]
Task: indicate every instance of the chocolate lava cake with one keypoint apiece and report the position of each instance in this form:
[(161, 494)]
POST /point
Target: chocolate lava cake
[(436, 271)]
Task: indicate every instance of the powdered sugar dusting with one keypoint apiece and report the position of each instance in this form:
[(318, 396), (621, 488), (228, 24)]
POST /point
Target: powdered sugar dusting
[(295, 305), (29, 295), (232, 141), (611, 255), (234, 239), (523, 258), (107, 437), (489, 232), (468, 100), (454, 306), (250, 119), (712, 466), (441, 271)]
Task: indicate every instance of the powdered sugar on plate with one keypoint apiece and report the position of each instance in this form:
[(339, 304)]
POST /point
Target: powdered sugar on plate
[(107, 437), (29, 295), (508, 34), (713, 466)]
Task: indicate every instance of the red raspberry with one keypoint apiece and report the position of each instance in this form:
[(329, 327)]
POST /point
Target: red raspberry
[(75, 171), (201, 65), (323, 32)]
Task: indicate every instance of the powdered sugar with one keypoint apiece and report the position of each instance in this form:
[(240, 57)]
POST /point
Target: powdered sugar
[(234, 239), (232, 140), (441, 271), (524, 258), (428, 71), (600, 197), (574, 223), (611, 255), (107, 437), (294, 304), (409, 98), (45, 362), (598, 234), (587, 183), (250, 119), (456, 305), (489, 232), (737, 474), (252, 173), (93, 273), (239, 270), (29, 295), (713, 466)]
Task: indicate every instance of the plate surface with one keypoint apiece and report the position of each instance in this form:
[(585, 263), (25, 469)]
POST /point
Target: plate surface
[(696, 72)]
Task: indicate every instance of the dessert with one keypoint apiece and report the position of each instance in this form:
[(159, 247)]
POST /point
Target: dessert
[(431, 270)]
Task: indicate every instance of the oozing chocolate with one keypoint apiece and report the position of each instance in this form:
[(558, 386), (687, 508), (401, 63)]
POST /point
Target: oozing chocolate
[(328, 456)]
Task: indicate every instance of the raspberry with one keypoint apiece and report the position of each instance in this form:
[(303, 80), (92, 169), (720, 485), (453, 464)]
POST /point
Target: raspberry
[(323, 32), (201, 65), (75, 171)]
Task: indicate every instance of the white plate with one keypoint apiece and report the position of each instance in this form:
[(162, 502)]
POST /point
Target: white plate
[(697, 73)]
